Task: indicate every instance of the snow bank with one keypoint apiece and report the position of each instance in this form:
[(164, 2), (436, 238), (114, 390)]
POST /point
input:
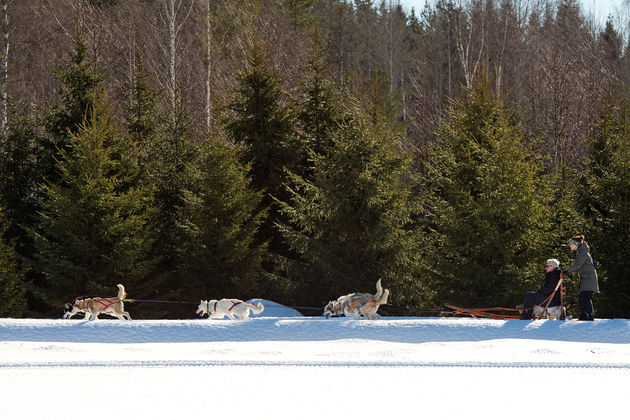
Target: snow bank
[(398, 330), (274, 309), (310, 368)]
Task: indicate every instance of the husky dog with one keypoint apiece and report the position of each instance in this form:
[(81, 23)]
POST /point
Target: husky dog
[(334, 309), (553, 312), (93, 306), (228, 307), (357, 306)]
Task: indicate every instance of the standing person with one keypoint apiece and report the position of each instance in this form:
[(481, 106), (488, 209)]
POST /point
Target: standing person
[(583, 265), (531, 299)]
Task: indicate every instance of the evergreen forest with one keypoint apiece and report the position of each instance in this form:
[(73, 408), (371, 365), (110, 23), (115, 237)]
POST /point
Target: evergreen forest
[(299, 150)]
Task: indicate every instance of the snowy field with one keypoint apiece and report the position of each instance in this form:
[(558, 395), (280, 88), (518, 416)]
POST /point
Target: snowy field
[(293, 367)]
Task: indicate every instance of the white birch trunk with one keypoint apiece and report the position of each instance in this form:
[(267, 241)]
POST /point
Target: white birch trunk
[(470, 64), (171, 16), (4, 69), (208, 68), (171, 11)]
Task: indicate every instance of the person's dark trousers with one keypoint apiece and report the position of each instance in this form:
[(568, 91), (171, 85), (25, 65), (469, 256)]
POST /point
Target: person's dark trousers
[(586, 306), (530, 300)]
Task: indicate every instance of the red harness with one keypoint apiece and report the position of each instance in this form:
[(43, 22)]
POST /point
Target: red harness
[(100, 300), (233, 305)]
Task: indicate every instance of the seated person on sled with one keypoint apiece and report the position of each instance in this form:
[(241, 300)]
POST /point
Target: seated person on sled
[(546, 289)]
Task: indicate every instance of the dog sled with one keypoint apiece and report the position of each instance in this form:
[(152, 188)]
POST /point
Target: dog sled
[(540, 311)]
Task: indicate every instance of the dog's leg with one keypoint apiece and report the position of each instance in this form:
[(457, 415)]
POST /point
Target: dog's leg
[(87, 316), (126, 314), (94, 316), (231, 316)]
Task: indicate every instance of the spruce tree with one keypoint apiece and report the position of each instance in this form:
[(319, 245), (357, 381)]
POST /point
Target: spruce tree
[(487, 207), (300, 12), (604, 198), (318, 105), (259, 119), (19, 180), (11, 277), (220, 221), (169, 150), (353, 222), (382, 104), (93, 231), (80, 80)]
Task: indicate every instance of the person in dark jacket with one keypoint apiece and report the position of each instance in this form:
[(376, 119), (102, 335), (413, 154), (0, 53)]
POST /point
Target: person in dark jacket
[(547, 287), (583, 265)]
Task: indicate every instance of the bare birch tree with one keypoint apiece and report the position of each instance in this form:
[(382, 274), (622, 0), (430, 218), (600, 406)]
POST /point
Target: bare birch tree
[(208, 65), (470, 37), (174, 15), (4, 68)]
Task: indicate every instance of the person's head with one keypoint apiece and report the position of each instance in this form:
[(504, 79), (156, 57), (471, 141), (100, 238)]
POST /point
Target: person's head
[(552, 264), (575, 241)]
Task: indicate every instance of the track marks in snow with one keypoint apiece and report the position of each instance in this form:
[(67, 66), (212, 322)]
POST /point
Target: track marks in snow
[(309, 363)]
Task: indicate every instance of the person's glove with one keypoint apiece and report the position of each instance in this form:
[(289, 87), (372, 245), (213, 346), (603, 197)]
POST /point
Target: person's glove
[(595, 264)]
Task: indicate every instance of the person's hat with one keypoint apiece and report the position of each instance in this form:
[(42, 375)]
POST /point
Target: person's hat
[(553, 262)]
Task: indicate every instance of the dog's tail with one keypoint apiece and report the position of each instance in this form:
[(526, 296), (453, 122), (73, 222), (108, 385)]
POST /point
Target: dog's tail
[(379, 290), (121, 292), (383, 299), (258, 308)]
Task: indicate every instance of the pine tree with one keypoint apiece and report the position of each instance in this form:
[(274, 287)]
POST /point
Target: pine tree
[(488, 208), (604, 197), (11, 277), (220, 221), (93, 231), (353, 222)]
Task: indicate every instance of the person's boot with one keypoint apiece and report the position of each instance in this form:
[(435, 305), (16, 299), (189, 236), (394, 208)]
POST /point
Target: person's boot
[(589, 317), (527, 314)]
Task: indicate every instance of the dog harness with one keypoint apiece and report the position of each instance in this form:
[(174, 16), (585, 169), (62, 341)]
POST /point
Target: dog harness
[(85, 302), (363, 302), (345, 303), (233, 305)]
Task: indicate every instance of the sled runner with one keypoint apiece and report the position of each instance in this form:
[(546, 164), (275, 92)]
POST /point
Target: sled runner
[(492, 313), (498, 312)]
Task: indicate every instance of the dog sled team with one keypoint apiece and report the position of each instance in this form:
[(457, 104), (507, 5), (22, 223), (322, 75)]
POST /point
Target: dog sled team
[(354, 304), (545, 302)]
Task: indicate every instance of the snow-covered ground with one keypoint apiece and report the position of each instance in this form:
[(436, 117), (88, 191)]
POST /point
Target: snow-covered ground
[(291, 367)]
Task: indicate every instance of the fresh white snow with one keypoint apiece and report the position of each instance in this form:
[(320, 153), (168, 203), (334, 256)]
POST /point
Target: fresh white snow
[(285, 366)]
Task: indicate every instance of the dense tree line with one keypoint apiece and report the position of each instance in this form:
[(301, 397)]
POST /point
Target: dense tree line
[(296, 150)]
